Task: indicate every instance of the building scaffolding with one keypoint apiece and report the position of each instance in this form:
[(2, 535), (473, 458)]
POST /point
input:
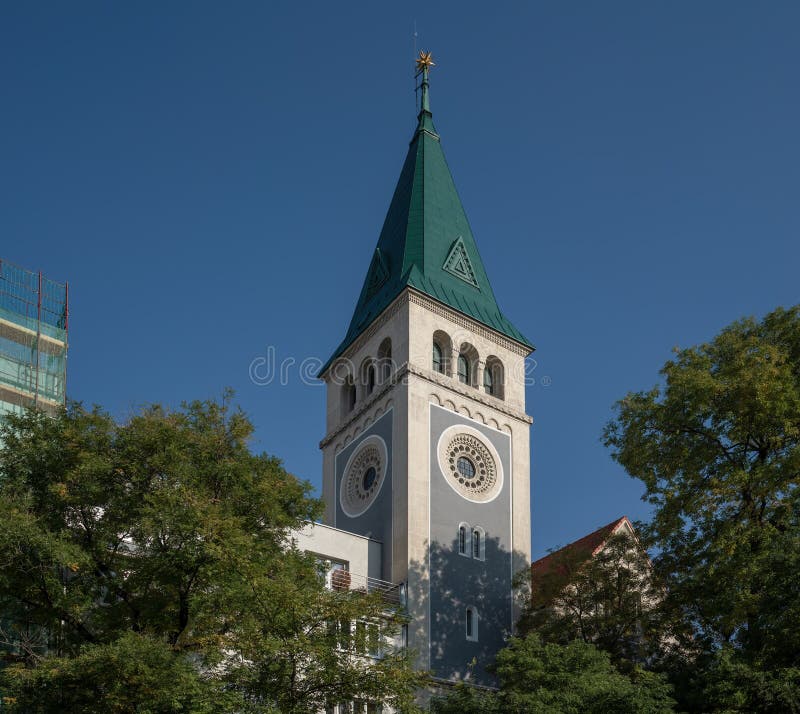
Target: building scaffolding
[(34, 320)]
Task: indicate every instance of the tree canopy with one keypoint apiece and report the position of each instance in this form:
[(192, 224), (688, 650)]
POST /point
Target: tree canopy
[(155, 556), (576, 678), (717, 446)]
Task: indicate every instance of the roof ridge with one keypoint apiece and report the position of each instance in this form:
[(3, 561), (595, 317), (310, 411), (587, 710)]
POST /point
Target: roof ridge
[(609, 528)]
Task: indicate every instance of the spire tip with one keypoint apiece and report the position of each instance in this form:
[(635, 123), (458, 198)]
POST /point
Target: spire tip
[(424, 61)]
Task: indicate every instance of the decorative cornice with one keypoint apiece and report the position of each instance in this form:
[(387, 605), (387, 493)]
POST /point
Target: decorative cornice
[(448, 383), (471, 393), (467, 323)]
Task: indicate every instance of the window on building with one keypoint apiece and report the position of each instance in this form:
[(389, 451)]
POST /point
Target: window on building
[(385, 360), (370, 379), (465, 467), (361, 637), (488, 381), (345, 634), (438, 361), (349, 395), (463, 529), (369, 478), (463, 369), (477, 544), (373, 640), (367, 638), (442, 352), (337, 576), (493, 377), (471, 624), (362, 707)]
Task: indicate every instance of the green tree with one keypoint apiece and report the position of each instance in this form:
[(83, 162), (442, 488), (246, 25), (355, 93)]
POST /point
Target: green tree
[(135, 673), (466, 699), (607, 599), (165, 536), (548, 678), (717, 446)]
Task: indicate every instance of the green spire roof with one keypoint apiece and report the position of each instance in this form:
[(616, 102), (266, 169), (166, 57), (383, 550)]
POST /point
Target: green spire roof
[(426, 243)]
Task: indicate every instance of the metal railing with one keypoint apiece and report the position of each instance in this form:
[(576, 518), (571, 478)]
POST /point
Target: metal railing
[(345, 580)]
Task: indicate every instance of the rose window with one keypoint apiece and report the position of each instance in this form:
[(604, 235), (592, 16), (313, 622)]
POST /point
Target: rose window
[(469, 464), (363, 476)]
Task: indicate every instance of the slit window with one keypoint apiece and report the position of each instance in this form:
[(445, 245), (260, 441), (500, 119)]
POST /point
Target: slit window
[(471, 624)]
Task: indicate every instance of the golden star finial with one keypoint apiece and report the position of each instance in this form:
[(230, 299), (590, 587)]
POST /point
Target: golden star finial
[(424, 61)]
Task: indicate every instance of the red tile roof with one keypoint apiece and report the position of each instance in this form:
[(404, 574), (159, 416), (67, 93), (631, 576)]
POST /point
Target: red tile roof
[(579, 551)]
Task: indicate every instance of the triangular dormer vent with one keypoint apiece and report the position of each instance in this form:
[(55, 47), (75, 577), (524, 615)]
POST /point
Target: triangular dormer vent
[(378, 273), (458, 263)]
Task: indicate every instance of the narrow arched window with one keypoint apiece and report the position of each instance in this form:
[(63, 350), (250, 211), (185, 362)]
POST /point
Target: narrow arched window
[(488, 381), (494, 377), (462, 539), (385, 360), (438, 362), (349, 395), (463, 369), (477, 544), (370, 379), (471, 624), (387, 364)]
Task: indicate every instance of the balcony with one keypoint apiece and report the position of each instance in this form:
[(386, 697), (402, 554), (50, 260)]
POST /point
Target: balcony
[(341, 580)]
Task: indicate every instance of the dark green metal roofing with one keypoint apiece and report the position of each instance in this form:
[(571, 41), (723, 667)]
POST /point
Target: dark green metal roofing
[(426, 244)]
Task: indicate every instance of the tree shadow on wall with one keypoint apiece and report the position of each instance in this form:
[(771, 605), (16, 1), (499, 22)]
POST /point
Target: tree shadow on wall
[(456, 583)]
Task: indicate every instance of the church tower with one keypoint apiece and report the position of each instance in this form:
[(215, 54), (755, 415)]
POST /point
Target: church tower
[(427, 439)]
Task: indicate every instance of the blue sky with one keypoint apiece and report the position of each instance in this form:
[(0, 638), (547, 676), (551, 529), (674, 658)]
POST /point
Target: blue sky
[(212, 177)]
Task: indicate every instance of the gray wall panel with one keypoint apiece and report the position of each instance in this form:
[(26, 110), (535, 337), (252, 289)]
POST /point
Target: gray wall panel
[(457, 581), (376, 522)]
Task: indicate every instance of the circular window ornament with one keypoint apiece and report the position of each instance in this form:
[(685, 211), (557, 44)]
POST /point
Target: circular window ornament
[(470, 464), (364, 475)]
